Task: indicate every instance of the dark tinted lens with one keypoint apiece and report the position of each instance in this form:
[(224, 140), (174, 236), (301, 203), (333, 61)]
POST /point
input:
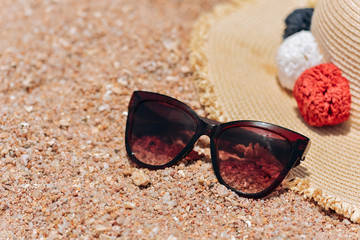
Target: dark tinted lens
[(250, 158), (159, 132)]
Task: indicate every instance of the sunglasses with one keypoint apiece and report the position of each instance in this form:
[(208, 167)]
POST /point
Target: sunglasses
[(249, 157)]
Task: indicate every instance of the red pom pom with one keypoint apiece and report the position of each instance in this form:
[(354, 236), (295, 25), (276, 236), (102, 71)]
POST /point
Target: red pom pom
[(323, 95)]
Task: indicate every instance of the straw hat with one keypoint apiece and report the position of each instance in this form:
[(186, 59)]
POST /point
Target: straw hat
[(233, 56)]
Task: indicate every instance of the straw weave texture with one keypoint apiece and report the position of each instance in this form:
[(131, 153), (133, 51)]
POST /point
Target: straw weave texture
[(233, 55), (336, 26)]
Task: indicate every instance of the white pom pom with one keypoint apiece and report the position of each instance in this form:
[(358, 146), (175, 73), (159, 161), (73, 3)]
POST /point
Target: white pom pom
[(296, 54)]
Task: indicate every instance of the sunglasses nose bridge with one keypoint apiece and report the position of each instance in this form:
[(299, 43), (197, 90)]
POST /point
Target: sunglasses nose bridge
[(207, 126)]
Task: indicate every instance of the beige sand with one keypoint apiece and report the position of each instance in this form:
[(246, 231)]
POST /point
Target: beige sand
[(67, 70)]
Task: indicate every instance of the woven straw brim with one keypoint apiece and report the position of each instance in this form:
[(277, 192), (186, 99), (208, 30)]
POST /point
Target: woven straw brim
[(233, 56)]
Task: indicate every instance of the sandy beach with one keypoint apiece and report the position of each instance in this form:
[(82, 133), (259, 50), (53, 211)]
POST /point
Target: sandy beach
[(67, 72)]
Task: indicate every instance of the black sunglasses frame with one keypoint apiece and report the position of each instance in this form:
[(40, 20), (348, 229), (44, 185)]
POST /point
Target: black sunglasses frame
[(211, 128)]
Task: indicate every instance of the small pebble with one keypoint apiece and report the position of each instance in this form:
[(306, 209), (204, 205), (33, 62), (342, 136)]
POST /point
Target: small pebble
[(120, 220), (166, 198), (171, 237), (29, 109), (222, 190), (24, 159), (101, 228), (104, 237), (139, 178), (129, 205), (157, 207), (182, 173), (104, 107), (64, 123), (116, 229), (248, 223)]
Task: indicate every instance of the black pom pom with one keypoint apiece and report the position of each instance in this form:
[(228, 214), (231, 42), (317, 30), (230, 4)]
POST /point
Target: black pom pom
[(298, 20)]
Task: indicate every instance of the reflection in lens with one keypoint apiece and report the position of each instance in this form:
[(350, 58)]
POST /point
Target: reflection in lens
[(250, 158), (159, 132)]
